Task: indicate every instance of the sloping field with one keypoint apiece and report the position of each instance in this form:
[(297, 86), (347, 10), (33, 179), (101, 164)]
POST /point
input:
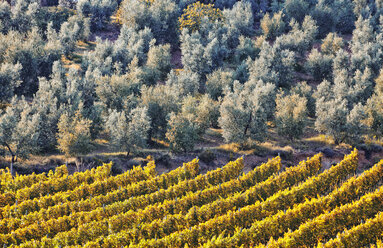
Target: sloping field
[(302, 206)]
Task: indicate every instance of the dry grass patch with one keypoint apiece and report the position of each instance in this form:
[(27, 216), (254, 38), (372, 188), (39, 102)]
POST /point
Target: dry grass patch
[(321, 139)]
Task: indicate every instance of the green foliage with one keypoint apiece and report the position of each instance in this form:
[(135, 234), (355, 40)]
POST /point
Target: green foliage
[(379, 84), (33, 54), (301, 37), (19, 130), (160, 100), (331, 113), (306, 91), (73, 30), (158, 61), (192, 65), (274, 65), (5, 16), (224, 4), (332, 44), (67, 3), (362, 86), (243, 115), (336, 116), (240, 19), (245, 49), (234, 118), (99, 11), (366, 47), (324, 17), (48, 103), (374, 109), (120, 91), (160, 16), (128, 132), (208, 112), (73, 136), (183, 82), (355, 88), (265, 96), (355, 126), (204, 110), (290, 115), (344, 16), (9, 80), (182, 132), (296, 9), (55, 15), (242, 73), (319, 65), (217, 82), (274, 26), (341, 61), (24, 13), (374, 112), (110, 57), (203, 54)]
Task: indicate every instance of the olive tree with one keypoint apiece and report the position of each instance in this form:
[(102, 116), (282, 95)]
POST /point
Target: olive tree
[(243, 115), (184, 82), (73, 136), (332, 44), (182, 132), (19, 131), (319, 65), (110, 57), (160, 16), (128, 131), (336, 115), (9, 80), (217, 82), (99, 11), (296, 9), (274, 65), (273, 26), (290, 115), (160, 101)]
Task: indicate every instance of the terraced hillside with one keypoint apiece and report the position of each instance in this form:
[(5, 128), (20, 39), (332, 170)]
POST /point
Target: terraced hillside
[(301, 206)]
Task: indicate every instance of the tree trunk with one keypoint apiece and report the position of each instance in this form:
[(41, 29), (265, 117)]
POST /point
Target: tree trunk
[(13, 157), (12, 161), (248, 125), (78, 163), (150, 135)]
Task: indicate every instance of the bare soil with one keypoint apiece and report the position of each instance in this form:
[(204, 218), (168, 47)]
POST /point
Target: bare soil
[(110, 33)]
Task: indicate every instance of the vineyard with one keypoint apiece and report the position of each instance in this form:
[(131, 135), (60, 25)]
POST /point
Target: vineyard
[(300, 206)]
